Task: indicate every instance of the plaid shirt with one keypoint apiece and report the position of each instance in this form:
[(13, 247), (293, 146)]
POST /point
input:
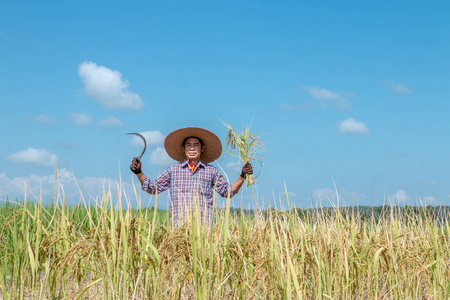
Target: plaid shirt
[(189, 188)]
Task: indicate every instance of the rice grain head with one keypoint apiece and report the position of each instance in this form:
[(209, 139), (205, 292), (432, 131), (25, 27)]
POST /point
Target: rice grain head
[(247, 145)]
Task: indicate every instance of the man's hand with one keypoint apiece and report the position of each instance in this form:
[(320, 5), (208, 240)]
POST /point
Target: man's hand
[(136, 166), (247, 169)]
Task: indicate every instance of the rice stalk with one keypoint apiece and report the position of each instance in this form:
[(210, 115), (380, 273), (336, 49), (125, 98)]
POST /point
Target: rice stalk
[(244, 145), (101, 251)]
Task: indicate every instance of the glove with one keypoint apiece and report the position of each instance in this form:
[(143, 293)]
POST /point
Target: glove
[(136, 166), (247, 169)]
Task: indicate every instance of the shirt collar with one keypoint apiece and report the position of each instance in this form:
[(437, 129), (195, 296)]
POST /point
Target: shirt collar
[(185, 163)]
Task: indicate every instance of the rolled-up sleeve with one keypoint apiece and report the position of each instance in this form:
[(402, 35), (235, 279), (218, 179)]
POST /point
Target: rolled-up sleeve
[(222, 186), (161, 184)]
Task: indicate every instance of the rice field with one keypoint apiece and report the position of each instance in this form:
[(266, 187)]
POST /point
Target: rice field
[(104, 251)]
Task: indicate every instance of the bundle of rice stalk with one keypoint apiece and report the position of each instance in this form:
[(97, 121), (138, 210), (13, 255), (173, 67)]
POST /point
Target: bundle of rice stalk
[(244, 145)]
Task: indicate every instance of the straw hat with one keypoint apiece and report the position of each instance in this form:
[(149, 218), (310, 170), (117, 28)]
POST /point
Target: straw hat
[(174, 140)]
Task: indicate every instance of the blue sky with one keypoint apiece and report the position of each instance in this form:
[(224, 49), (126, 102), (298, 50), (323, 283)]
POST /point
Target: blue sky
[(348, 93)]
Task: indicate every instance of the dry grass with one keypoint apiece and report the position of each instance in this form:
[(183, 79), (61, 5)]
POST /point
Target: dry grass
[(101, 252)]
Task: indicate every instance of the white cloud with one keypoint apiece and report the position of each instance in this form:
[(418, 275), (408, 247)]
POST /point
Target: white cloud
[(401, 197), (352, 126), (81, 119), (299, 107), (11, 187), (429, 200), (40, 157), (401, 194), (324, 194), (290, 194), (321, 94), (400, 88), (160, 157), (66, 185), (110, 122), (431, 182), (327, 197), (234, 166), (152, 138), (107, 87), (44, 119), (327, 97)]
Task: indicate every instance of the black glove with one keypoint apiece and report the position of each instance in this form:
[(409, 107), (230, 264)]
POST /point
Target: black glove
[(136, 166), (247, 169)]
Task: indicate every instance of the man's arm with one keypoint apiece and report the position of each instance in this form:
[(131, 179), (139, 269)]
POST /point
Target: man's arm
[(246, 170), (136, 169), (161, 184), (141, 177), (236, 186)]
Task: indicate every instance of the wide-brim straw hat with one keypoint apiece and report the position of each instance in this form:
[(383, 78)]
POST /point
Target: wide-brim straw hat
[(174, 143)]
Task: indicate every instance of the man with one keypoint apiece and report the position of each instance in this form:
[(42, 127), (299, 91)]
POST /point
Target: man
[(192, 180)]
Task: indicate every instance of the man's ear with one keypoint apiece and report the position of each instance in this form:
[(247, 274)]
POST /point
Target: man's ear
[(203, 148)]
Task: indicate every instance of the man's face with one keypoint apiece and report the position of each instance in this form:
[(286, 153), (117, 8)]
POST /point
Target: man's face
[(193, 149)]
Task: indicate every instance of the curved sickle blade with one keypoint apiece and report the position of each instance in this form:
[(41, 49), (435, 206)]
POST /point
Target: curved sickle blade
[(143, 139)]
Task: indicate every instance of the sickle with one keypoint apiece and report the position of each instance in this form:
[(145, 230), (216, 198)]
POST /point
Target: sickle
[(143, 139)]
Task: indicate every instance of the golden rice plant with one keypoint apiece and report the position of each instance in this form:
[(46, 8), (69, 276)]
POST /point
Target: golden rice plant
[(244, 145), (103, 251)]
